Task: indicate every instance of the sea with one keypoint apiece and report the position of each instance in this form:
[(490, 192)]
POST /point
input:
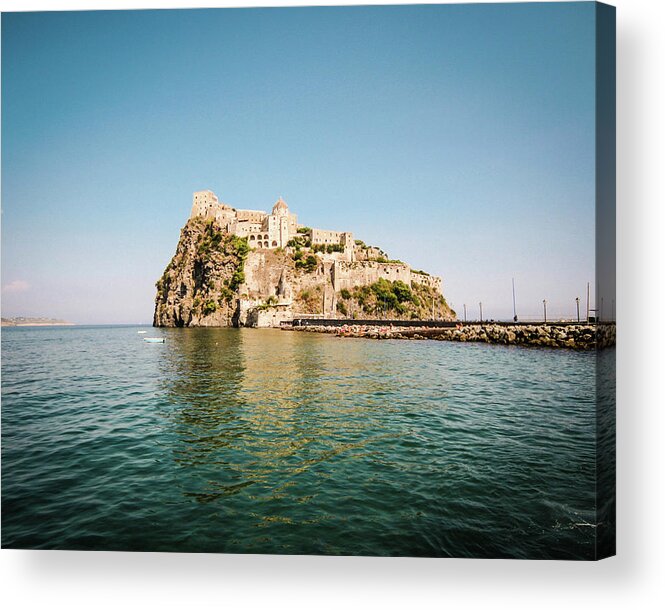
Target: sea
[(270, 441)]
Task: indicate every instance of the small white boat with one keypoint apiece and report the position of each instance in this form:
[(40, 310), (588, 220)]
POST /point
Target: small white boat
[(153, 339), (142, 332)]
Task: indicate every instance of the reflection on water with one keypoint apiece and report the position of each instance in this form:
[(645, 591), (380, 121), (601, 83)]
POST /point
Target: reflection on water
[(237, 440), (264, 407)]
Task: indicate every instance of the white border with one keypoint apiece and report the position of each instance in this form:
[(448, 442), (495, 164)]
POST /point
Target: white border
[(68, 580)]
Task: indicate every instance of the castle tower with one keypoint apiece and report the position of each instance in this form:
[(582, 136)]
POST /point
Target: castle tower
[(204, 203), (283, 224), (280, 208)]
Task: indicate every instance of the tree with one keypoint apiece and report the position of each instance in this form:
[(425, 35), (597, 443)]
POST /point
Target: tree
[(402, 291)]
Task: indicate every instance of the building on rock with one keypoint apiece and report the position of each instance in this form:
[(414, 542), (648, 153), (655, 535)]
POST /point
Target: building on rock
[(292, 269)]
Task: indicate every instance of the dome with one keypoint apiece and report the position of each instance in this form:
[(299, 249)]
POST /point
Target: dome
[(280, 208)]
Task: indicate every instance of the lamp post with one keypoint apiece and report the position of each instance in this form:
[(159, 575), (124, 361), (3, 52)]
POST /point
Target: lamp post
[(465, 312), (481, 311), (577, 302), (545, 310), (514, 306)]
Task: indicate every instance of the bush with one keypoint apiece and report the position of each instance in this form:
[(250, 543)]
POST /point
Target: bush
[(341, 308), (209, 307), (211, 239), (303, 229), (237, 278), (402, 291), (241, 246), (383, 296), (362, 295), (225, 294), (309, 264), (299, 241)]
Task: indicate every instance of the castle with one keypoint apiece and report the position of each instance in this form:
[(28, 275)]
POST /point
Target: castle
[(346, 262), (274, 230), (290, 270)]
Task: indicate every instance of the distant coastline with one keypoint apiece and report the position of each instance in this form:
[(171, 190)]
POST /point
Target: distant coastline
[(24, 321)]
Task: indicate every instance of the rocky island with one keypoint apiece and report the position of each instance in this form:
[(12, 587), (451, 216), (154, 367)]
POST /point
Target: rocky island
[(235, 267)]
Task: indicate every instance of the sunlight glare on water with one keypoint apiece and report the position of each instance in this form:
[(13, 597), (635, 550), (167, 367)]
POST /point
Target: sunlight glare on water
[(266, 441)]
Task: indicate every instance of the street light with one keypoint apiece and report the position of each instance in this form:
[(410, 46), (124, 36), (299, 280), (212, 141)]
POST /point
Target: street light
[(577, 302), (514, 306), (481, 311), (465, 312), (545, 310)]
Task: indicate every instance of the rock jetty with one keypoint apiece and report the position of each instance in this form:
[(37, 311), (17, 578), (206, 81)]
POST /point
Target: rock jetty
[(572, 336)]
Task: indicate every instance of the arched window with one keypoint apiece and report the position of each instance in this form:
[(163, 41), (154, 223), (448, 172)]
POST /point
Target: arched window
[(251, 238), (274, 244)]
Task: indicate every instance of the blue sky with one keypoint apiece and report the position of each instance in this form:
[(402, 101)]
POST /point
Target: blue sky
[(460, 138)]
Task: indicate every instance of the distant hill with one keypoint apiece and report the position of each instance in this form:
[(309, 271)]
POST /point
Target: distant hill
[(25, 321)]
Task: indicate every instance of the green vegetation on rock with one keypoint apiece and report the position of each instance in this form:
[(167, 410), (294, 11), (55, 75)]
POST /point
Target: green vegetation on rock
[(307, 263), (203, 277), (329, 248), (395, 299)]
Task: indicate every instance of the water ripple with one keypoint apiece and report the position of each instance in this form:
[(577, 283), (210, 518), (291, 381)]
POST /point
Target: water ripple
[(264, 441)]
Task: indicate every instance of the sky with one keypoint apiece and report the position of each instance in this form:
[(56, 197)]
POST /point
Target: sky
[(459, 138)]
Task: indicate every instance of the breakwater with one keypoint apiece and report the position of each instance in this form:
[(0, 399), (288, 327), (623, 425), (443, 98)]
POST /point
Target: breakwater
[(572, 336)]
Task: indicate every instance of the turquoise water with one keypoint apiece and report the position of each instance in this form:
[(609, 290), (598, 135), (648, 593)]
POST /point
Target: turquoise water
[(265, 441)]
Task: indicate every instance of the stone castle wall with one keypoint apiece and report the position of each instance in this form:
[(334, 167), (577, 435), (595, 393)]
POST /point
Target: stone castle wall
[(432, 281), (271, 317), (319, 236), (346, 274)]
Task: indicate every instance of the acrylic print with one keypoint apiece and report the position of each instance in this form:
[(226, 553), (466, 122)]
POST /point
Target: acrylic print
[(322, 281)]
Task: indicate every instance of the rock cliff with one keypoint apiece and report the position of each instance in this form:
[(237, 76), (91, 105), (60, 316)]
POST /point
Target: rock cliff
[(215, 279), (199, 286)]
